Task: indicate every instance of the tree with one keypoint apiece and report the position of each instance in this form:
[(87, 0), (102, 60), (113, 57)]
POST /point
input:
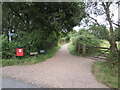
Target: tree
[(103, 8), (101, 33), (39, 25), (47, 16), (117, 33), (112, 36)]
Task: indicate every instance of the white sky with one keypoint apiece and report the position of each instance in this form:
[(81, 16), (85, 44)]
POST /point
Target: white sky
[(101, 19)]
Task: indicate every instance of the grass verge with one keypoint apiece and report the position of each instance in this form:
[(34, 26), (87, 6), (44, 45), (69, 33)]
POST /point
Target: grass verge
[(105, 74), (30, 60)]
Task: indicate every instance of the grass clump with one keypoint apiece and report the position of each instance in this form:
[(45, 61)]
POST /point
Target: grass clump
[(30, 60), (105, 74)]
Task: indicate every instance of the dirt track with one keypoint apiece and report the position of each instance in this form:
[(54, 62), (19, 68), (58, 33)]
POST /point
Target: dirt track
[(63, 71)]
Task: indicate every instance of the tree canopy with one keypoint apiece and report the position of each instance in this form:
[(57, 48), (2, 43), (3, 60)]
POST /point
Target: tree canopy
[(103, 8), (47, 16), (38, 25)]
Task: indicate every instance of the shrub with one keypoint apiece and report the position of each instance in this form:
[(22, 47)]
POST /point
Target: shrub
[(30, 60), (64, 40), (9, 48), (84, 37), (31, 42), (113, 58), (90, 41), (106, 75), (117, 33), (74, 40)]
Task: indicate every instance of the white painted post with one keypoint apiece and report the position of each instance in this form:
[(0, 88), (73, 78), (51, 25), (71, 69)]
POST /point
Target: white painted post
[(9, 36)]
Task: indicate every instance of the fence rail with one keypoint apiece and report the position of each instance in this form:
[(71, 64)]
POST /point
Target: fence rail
[(84, 47)]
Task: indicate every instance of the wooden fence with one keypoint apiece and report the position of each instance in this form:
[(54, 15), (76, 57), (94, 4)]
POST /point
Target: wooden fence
[(84, 48)]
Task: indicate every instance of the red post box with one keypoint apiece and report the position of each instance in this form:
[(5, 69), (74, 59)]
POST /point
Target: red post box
[(19, 52)]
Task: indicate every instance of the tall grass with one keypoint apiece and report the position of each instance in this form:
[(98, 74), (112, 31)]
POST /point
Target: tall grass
[(105, 74)]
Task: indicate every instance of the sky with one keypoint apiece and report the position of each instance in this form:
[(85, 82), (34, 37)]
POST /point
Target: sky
[(101, 19)]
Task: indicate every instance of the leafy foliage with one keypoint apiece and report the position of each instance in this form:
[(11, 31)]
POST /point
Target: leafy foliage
[(30, 60), (106, 75), (113, 59), (30, 42), (85, 37), (38, 25), (103, 8), (8, 49), (89, 40), (47, 16), (117, 34), (100, 32)]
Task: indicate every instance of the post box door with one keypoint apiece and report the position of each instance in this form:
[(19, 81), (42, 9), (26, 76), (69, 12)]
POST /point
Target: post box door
[(19, 52)]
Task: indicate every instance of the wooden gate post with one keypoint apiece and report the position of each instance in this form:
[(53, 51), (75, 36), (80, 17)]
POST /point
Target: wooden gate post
[(78, 48), (84, 49)]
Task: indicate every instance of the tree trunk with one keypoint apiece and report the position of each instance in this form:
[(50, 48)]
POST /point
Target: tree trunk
[(113, 45)]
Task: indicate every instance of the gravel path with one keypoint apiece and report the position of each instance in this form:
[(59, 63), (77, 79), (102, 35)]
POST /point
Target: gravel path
[(61, 71)]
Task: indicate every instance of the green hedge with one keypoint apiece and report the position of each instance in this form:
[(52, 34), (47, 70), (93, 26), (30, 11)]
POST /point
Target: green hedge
[(31, 42), (84, 37), (30, 60)]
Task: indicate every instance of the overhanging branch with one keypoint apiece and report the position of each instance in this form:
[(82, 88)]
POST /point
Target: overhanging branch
[(94, 20)]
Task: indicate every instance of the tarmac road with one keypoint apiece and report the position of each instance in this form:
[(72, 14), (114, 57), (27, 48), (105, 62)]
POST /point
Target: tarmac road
[(11, 83)]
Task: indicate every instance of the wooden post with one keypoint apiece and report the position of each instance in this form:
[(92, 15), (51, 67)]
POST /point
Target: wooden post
[(84, 49), (78, 48)]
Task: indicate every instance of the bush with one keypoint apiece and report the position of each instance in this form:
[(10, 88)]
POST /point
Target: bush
[(30, 60), (9, 48), (100, 32), (117, 33), (64, 40), (89, 40), (74, 40), (113, 58), (106, 75), (31, 42), (84, 37)]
